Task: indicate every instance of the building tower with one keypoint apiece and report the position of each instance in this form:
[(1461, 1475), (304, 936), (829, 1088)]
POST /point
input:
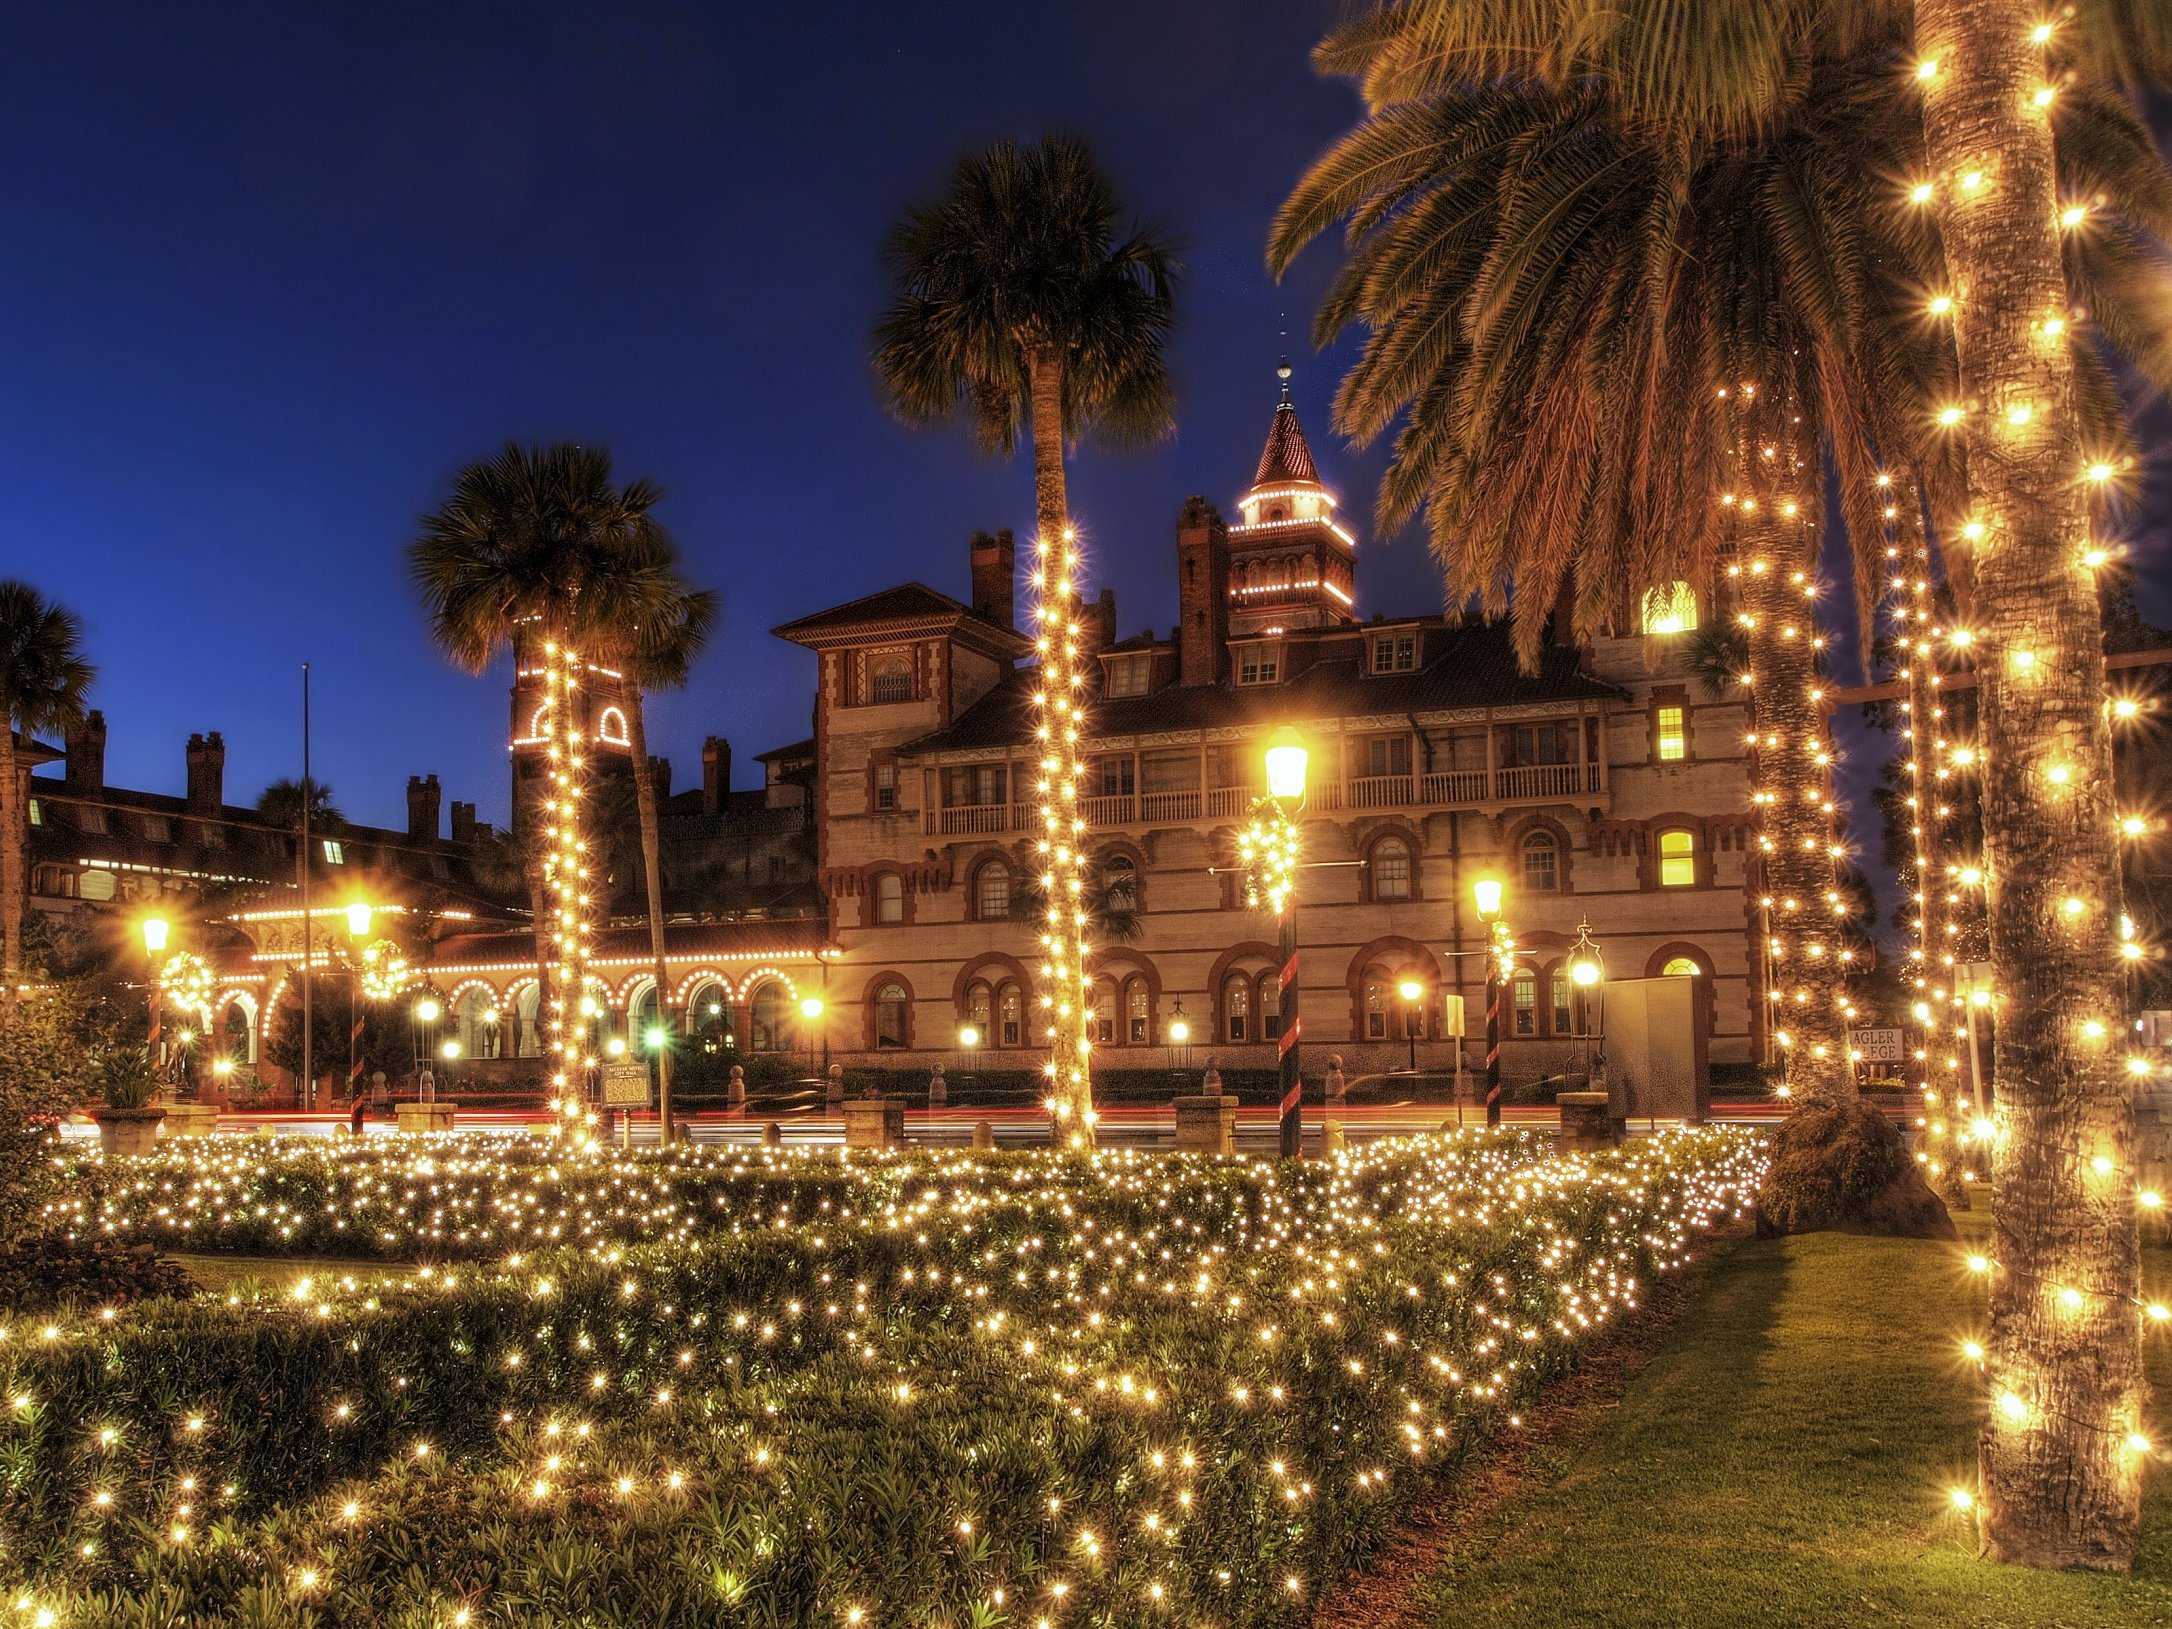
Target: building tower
[(1291, 563), (528, 740)]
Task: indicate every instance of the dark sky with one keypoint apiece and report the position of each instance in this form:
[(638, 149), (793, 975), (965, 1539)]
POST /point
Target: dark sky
[(275, 272)]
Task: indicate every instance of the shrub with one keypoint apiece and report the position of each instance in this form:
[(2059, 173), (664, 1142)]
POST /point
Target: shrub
[(39, 1274), (935, 1387), (43, 1070), (1846, 1166)]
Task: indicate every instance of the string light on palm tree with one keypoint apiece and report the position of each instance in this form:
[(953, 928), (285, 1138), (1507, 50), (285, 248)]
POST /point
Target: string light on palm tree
[(1267, 850), (572, 1010), (1059, 715)]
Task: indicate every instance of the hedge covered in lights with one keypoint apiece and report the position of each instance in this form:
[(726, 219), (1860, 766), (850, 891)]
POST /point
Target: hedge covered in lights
[(930, 1389)]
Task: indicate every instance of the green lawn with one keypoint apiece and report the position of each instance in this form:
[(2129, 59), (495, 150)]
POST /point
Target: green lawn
[(1781, 1462), (219, 1273)]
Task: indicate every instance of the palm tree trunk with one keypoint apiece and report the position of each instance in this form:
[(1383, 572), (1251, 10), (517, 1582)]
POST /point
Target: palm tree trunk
[(1806, 996), (1070, 1077), (2060, 1488), (637, 741), (13, 836)]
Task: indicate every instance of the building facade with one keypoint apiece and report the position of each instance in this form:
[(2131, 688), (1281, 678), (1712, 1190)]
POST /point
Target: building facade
[(1607, 788)]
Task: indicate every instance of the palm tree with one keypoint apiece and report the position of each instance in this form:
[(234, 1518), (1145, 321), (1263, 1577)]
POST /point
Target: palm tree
[(539, 543), (280, 804), (44, 678), (1017, 298), (2015, 103)]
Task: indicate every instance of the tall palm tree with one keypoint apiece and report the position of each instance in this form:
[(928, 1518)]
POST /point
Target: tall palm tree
[(2013, 103), (660, 656), (540, 543), (44, 678), (1018, 297)]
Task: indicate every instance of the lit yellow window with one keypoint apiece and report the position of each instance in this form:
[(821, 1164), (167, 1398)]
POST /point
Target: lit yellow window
[(1681, 967), (1670, 608), (1677, 859), (1673, 735)]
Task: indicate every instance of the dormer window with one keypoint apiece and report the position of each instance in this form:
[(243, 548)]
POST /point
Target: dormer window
[(1259, 664), (1128, 674), (889, 676), (1395, 653)]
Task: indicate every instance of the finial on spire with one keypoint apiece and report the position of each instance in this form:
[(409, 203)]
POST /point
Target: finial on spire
[(1282, 368)]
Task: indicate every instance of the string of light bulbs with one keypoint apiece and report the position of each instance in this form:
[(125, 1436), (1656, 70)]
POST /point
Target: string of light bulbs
[(1059, 718)]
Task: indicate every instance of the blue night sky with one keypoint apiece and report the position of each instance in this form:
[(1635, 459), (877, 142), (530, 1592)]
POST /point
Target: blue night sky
[(275, 272)]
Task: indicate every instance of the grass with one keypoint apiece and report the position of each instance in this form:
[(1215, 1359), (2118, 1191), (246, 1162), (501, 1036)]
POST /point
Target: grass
[(1783, 1460), (216, 1274)]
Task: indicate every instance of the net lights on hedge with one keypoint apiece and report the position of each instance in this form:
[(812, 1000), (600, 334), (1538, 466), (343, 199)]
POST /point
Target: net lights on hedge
[(1059, 717)]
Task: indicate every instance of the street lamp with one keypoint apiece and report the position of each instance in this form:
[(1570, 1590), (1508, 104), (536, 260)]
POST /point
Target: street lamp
[(1586, 968), (426, 1012), (156, 931), (1486, 895), (1180, 1037), (1412, 993), (358, 930), (1270, 850), (811, 1009)]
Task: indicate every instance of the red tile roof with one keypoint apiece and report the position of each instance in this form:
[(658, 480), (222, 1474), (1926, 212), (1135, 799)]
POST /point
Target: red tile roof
[(1286, 457)]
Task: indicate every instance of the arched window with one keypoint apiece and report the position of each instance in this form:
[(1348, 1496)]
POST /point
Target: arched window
[(766, 1018), (1670, 608), (1541, 863), (980, 1011), (527, 1022), (892, 1005), (709, 1020), (1677, 859), (1523, 989), (1104, 1013), (1680, 967), (476, 1017), (642, 1016), (1390, 868), (890, 676), (1237, 1007), (1564, 1012), (992, 891), (1138, 1012), (237, 1034), (1270, 1007), (1011, 1008), (889, 896), (611, 726)]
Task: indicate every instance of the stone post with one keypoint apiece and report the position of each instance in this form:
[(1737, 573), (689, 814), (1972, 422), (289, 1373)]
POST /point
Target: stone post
[(834, 1091), (983, 1134), (938, 1088), (1207, 1124), (874, 1122), (735, 1095), (772, 1137), (1587, 1122), (1338, 1089)]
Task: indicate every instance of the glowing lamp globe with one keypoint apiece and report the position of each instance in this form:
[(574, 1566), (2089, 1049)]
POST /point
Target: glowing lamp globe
[(358, 919), (156, 931), (222, 1067), (655, 1036), (1410, 990), (1286, 760), (449, 1051), (968, 1036), (428, 1010), (1179, 1031), (616, 1046), (810, 1007), (1486, 894), (1585, 972)]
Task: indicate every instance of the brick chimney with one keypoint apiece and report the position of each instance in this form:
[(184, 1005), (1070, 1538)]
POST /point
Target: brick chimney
[(422, 806), (463, 823), (660, 778), (207, 773), (1101, 620), (1202, 594), (716, 774), (86, 743), (995, 576)]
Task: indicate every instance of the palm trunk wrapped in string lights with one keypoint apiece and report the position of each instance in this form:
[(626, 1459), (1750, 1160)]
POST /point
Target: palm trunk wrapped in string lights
[(1775, 571), (1059, 715), (572, 1008)]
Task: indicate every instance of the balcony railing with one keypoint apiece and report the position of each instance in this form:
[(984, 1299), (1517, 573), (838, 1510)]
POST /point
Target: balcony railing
[(1443, 788)]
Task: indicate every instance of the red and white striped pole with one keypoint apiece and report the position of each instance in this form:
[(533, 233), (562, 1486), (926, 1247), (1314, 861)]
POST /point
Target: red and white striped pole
[(1293, 1080)]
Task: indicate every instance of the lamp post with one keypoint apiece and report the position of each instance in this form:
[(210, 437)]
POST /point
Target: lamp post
[(1486, 895), (1412, 993), (1180, 1038), (1276, 839), (425, 1013), (1586, 969), (811, 1009), (358, 930)]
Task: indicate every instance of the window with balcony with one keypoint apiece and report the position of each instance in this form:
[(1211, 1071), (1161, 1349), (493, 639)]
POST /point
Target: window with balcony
[(1669, 608), (1677, 859), (1387, 755), (1670, 733), (1259, 664), (1543, 744), (973, 786), (1117, 776), (1395, 653)]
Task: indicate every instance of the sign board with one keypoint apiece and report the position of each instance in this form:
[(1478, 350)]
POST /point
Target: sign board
[(1879, 1045), (1452, 1016), (626, 1083)]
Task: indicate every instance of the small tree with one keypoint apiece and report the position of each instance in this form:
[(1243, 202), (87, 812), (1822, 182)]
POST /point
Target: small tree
[(44, 1072)]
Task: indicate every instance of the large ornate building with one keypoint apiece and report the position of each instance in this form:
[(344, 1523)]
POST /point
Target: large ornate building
[(1607, 787)]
